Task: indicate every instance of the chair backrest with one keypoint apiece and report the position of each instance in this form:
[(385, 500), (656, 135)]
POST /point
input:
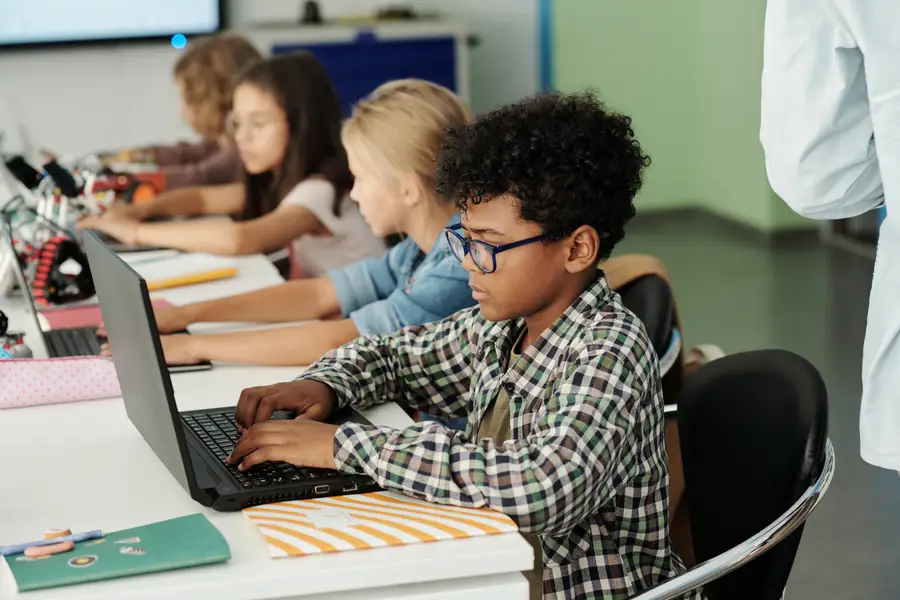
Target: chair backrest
[(650, 299), (753, 429)]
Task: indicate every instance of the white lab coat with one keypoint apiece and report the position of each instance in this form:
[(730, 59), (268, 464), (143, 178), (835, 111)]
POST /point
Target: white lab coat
[(831, 135)]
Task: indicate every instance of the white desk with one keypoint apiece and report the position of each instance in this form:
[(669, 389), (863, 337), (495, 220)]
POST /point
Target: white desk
[(84, 466)]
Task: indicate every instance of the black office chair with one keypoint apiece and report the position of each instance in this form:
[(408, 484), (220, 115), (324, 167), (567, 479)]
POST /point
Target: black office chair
[(650, 298), (757, 462)]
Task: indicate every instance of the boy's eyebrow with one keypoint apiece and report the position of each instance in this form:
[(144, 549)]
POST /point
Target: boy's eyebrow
[(479, 231)]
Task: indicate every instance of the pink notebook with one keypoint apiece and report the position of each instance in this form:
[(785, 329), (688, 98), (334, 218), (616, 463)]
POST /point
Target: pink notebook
[(84, 316), (32, 382)]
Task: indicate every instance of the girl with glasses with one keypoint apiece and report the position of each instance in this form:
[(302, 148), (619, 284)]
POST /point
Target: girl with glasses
[(285, 121)]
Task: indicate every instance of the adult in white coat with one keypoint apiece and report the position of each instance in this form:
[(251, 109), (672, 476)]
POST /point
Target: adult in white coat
[(831, 135)]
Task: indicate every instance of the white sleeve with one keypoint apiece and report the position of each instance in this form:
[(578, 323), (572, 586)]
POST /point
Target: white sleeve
[(816, 128), (317, 196)]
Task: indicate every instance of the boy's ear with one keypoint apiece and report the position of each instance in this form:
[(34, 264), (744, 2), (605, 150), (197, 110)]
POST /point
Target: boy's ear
[(411, 191), (584, 248)]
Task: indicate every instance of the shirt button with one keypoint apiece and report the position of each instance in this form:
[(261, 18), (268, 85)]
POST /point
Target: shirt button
[(509, 387)]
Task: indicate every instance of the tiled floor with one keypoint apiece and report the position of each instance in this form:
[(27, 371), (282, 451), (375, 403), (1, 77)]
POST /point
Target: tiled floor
[(740, 294)]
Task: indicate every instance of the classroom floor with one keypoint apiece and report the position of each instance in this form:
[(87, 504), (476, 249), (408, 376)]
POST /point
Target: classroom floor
[(736, 292)]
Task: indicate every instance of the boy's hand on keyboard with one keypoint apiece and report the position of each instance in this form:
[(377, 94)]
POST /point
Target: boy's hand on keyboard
[(309, 399), (302, 443)]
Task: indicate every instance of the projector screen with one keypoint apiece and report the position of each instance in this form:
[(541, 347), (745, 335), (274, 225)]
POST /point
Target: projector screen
[(33, 22)]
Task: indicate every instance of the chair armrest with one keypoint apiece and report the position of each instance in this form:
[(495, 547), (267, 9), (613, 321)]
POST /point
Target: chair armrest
[(757, 545)]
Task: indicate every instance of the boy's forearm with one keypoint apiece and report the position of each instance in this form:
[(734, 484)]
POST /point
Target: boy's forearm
[(297, 300), (547, 483), (361, 373), (298, 345), (424, 367)]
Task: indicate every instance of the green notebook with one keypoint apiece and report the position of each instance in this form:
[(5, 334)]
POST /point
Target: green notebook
[(174, 544)]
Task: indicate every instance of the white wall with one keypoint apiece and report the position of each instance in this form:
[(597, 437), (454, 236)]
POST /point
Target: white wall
[(78, 100), (75, 100)]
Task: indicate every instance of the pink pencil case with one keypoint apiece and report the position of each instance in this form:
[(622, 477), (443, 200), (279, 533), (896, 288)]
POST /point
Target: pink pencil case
[(37, 381)]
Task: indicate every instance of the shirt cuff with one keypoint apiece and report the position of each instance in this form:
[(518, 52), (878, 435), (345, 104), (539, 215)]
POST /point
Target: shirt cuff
[(353, 288), (378, 318), (341, 393), (357, 446)]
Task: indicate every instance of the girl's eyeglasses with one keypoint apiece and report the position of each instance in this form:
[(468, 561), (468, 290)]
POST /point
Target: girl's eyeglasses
[(254, 125), (484, 255)]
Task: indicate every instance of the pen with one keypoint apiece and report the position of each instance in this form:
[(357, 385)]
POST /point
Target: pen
[(76, 537)]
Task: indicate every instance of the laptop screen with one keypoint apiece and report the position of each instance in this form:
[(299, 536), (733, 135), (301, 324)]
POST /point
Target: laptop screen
[(138, 356)]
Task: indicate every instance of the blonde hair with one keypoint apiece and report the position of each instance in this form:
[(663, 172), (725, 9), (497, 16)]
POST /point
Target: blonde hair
[(207, 72), (400, 125)]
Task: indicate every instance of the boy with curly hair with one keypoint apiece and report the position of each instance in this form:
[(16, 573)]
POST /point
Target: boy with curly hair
[(557, 379)]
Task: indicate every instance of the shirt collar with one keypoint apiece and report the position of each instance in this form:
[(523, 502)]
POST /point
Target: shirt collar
[(581, 312)]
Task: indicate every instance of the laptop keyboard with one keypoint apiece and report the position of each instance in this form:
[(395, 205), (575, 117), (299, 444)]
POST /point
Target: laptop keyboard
[(219, 433), (72, 342)]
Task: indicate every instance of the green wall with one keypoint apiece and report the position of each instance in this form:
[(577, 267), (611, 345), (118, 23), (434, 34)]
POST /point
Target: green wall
[(688, 72)]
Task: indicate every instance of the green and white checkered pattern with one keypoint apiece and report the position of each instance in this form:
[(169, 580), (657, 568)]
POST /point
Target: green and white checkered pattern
[(586, 468)]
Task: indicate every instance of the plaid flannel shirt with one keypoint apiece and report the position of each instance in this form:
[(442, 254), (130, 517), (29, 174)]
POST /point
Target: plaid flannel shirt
[(586, 469)]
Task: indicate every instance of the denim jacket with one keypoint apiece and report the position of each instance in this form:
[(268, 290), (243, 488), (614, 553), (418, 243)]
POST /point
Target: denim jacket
[(404, 287)]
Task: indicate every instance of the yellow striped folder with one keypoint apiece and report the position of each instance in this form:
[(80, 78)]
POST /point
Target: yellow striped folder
[(360, 522)]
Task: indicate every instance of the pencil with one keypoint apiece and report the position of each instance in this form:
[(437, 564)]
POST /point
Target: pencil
[(192, 279)]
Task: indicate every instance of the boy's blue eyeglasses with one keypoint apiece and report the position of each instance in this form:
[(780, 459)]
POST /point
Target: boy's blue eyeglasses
[(484, 255)]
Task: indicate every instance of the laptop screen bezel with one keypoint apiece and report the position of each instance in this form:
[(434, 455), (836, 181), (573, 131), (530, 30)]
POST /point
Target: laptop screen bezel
[(10, 244), (94, 246)]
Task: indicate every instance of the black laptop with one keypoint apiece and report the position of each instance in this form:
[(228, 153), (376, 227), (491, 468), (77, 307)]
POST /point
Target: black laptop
[(193, 445)]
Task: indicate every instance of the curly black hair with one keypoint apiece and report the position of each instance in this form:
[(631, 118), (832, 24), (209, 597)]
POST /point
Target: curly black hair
[(568, 160)]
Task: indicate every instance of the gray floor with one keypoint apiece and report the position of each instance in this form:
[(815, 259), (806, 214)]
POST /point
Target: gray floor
[(736, 292)]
